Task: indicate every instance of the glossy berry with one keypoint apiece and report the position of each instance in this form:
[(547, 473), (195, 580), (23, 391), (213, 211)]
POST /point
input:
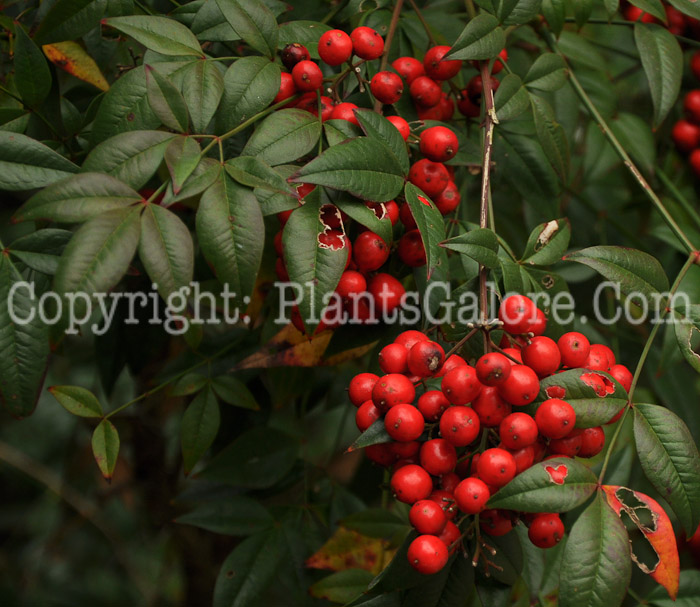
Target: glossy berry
[(392, 359), (351, 283), (293, 54), (686, 136), (427, 554), (501, 59), (287, 88), (406, 450), (493, 369), (345, 111), (307, 76), (496, 467), (404, 422), (427, 517), (438, 456), (555, 418), (524, 458), (592, 442), (694, 161), (311, 103), (406, 217), (518, 313), (367, 43), (449, 198), (475, 88), (360, 389), (466, 106), (411, 483), (623, 376), (538, 327), (695, 64), (425, 358), (387, 291), (432, 404), (402, 126), (335, 47), (438, 68), (438, 143), (370, 252), (573, 348), (471, 495), (546, 530), (569, 446), (600, 358), (387, 87), (459, 426), (381, 454), (542, 355), (461, 385), (491, 408), (366, 414), (691, 105), (495, 522), (521, 387), (431, 177), (450, 534), (410, 337), (411, 250), (518, 430), (446, 501), (392, 389), (454, 361), (425, 91), (409, 68)]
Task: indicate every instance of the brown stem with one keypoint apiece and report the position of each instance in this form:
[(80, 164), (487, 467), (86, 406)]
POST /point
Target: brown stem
[(461, 342), (424, 23), (387, 45)]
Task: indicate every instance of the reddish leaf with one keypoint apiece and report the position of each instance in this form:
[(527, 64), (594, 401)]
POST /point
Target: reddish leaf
[(348, 550), (71, 57)]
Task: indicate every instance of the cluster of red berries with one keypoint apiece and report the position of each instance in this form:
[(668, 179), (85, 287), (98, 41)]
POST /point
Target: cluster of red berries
[(676, 22), (436, 466), (686, 132)]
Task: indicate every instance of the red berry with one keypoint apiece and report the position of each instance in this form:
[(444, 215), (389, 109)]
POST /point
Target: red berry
[(538, 327), (450, 535), (500, 61), (518, 430), (438, 68), (411, 483), (410, 337), (431, 177), (431, 404), (521, 387), (307, 76), (495, 522), (411, 250), (403, 128), (287, 88), (392, 359), (427, 517), (475, 88), (366, 414), (367, 43), (466, 107), (676, 21), (425, 91), (524, 458), (406, 450), (694, 162), (449, 481), (438, 143), (427, 554), (542, 355), (568, 446), (513, 353), (310, 103), (459, 426), (471, 495), (381, 454), (574, 348), (592, 442), (361, 386), (351, 283), (686, 136), (493, 369), (496, 467), (623, 376), (293, 54), (461, 385), (449, 198), (695, 64), (446, 501), (546, 530), (345, 111), (517, 313), (634, 13), (392, 389), (691, 104), (388, 292), (438, 456), (409, 68), (600, 358), (452, 362), (555, 418), (386, 87), (406, 217), (370, 252), (404, 423), (335, 47), (491, 408), (425, 358)]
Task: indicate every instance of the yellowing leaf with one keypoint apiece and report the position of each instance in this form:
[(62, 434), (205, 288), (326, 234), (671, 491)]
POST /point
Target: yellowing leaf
[(72, 58), (348, 549)]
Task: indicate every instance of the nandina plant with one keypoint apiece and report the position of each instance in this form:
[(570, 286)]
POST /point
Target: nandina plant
[(224, 219)]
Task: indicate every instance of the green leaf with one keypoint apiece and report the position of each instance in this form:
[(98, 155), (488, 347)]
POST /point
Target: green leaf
[(525, 166), (69, 20), (516, 12), (253, 22), (32, 74), (547, 243), (670, 460), (365, 216), (374, 435), (554, 11), (237, 515), (250, 569), (26, 164), (132, 157), (99, 254), (596, 567), (204, 175), (160, 34), (376, 126), (661, 55), (635, 135), (479, 244), (315, 266), (687, 7), (202, 87), (687, 327), (430, 225), (482, 38), (234, 392), (253, 172), (342, 586), (545, 487), (105, 447), (78, 198), (306, 33), (257, 459), (653, 7), (41, 250), (230, 230), (376, 522), (364, 167), (182, 156), (337, 131), (511, 98), (547, 73), (250, 85), (77, 400), (611, 6), (591, 409), (635, 271), (284, 136), (166, 101), (210, 25), (582, 11), (24, 342), (688, 592), (166, 250), (398, 574), (551, 136), (189, 384), (200, 424)]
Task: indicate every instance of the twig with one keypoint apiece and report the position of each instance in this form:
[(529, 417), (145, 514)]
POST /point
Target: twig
[(387, 45), (424, 23)]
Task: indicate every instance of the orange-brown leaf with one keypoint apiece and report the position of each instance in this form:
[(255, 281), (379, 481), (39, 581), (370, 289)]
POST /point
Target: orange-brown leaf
[(348, 549), (72, 58), (659, 533)]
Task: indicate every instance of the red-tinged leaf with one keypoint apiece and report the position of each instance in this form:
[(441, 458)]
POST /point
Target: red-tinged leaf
[(105, 447), (77, 400), (348, 549), (659, 532), (72, 58)]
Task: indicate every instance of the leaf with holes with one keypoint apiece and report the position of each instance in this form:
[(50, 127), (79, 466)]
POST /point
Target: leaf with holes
[(166, 101), (199, 427), (160, 34), (670, 460), (430, 225), (547, 243), (105, 447), (555, 485), (482, 38), (479, 244), (649, 517), (375, 125), (596, 567), (77, 400), (253, 22), (366, 217)]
